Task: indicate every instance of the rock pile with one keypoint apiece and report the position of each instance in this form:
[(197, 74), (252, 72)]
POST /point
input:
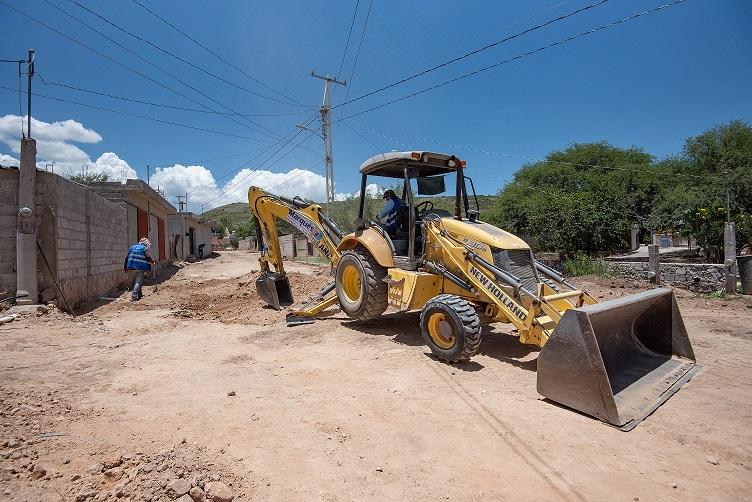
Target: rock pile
[(165, 476)]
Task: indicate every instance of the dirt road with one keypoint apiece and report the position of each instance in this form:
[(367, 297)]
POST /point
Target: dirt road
[(199, 383)]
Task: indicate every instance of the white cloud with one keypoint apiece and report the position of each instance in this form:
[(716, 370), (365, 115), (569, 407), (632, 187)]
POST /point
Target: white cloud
[(198, 181), (114, 167), (54, 146), (7, 160), (373, 191)]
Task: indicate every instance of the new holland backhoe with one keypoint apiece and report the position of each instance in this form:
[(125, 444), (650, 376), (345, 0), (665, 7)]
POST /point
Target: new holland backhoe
[(617, 360)]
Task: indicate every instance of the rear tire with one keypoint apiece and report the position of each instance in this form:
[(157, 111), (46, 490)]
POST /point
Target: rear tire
[(361, 289), (451, 328)]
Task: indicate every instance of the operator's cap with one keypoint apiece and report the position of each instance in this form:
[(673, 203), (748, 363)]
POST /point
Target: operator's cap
[(387, 194)]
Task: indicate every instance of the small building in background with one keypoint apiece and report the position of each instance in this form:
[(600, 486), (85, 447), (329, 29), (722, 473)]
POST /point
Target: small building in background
[(147, 209), (187, 235)]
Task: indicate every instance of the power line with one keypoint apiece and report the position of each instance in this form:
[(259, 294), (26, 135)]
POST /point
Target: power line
[(357, 55), (165, 51), (238, 169), (474, 52), (519, 56), (227, 189), (347, 42), (168, 23), (159, 68), (377, 147), (524, 157), (113, 60), (143, 117), (161, 105)]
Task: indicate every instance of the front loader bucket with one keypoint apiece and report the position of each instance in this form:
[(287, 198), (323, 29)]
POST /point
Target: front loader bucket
[(618, 360), (274, 289)]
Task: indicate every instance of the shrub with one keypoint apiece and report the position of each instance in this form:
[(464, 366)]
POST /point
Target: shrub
[(582, 264)]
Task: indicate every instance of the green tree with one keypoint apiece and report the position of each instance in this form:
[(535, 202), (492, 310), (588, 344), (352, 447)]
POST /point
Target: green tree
[(86, 178), (584, 198)]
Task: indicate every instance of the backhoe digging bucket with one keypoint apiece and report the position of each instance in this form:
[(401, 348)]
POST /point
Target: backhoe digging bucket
[(618, 360), (274, 289)]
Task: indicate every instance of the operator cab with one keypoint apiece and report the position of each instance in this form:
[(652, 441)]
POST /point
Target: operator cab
[(422, 176)]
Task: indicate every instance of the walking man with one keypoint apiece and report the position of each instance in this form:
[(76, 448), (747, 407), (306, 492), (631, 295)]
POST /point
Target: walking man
[(138, 261)]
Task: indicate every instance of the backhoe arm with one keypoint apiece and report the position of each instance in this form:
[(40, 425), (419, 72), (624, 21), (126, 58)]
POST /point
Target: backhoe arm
[(273, 287)]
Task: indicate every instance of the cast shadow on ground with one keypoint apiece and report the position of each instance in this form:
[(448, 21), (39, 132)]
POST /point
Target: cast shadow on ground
[(404, 328), (165, 274)]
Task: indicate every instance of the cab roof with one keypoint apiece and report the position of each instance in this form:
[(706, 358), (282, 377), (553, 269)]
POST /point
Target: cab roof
[(392, 164)]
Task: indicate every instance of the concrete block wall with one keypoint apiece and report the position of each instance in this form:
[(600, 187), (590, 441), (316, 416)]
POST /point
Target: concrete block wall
[(8, 212), (92, 240), (83, 237)]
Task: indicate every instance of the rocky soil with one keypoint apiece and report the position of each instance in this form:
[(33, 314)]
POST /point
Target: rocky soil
[(200, 392)]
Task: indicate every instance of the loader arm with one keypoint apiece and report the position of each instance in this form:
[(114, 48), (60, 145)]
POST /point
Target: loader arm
[(534, 313), (273, 286)]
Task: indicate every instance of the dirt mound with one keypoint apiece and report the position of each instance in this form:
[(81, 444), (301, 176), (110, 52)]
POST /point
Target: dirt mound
[(232, 300)]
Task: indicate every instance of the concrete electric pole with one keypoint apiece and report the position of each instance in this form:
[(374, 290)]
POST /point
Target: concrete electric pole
[(326, 131), (26, 231)]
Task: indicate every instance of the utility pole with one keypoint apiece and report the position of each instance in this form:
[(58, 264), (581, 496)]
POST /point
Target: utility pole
[(148, 173), (326, 131), (30, 74), (186, 201), (27, 285), (180, 203)]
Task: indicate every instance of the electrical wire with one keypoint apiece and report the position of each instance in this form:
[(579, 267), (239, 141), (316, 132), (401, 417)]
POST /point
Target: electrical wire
[(175, 56), (159, 68), (509, 60), (161, 105), (230, 64), (239, 168), (474, 52), (113, 60), (227, 189), (347, 42), (357, 56), (128, 114), (523, 157)]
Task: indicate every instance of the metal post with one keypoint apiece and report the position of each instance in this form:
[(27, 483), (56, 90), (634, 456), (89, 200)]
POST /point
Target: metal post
[(729, 251), (654, 263), (148, 173), (30, 74), (326, 133)]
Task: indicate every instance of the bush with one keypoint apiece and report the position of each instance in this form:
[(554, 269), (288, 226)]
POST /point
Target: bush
[(582, 264)]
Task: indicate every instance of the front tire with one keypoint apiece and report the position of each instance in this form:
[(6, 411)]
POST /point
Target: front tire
[(451, 328), (361, 289)]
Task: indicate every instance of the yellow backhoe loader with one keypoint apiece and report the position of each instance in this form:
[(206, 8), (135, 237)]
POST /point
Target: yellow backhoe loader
[(617, 360)]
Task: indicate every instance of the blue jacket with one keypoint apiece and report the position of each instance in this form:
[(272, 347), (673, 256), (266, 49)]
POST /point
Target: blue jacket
[(391, 211), (137, 258)]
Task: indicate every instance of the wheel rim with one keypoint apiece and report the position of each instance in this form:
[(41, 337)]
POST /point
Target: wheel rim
[(351, 284), (441, 330)]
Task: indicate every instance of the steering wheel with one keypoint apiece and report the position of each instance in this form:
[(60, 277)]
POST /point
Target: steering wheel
[(426, 206)]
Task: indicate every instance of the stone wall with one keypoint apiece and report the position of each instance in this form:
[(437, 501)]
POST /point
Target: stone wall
[(702, 277)]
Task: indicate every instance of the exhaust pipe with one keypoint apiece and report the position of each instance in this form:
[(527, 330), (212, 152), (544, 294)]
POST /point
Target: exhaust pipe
[(618, 360)]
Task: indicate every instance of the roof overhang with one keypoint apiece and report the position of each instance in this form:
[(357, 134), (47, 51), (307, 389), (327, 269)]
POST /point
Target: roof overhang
[(392, 164)]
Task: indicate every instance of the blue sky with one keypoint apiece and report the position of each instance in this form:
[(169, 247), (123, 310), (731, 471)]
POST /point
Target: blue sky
[(650, 82)]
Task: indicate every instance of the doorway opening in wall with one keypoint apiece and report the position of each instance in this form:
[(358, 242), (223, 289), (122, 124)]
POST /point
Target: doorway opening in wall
[(192, 240)]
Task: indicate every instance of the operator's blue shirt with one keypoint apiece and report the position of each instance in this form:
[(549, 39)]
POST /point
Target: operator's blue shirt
[(137, 258), (391, 210)]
